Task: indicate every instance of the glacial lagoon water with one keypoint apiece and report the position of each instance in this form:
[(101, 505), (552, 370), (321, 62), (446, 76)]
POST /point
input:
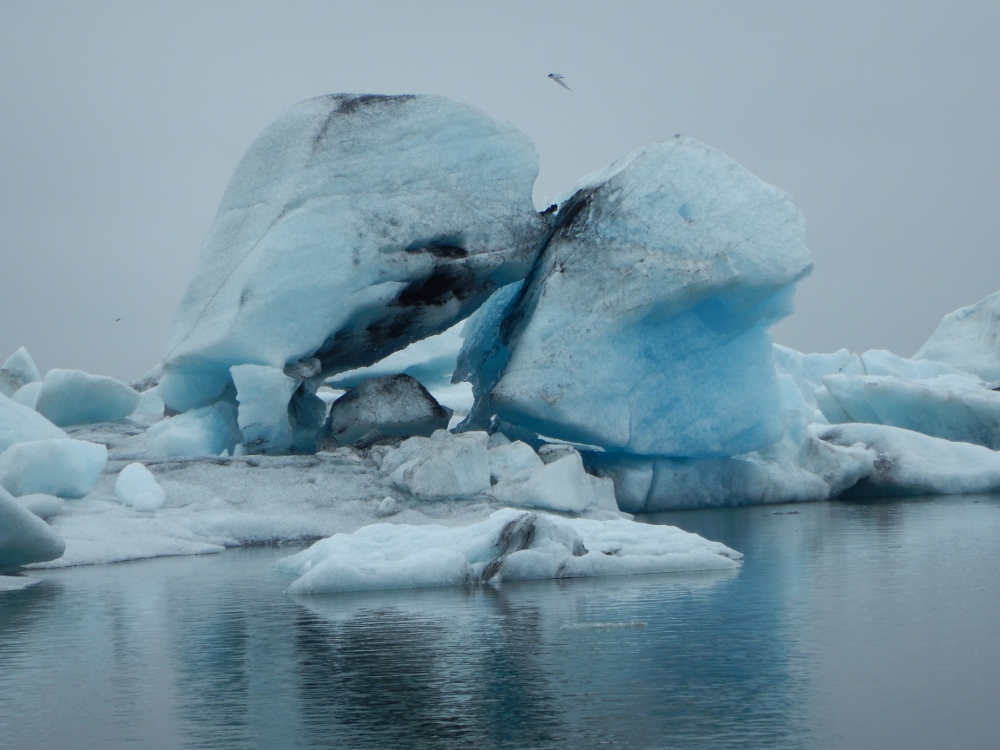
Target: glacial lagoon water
[(850, 625)]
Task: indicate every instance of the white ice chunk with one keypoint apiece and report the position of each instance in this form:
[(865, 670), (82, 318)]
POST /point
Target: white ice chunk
[(643, 327), (562, 485), (19, 424), (27, 394), (969, 339), (202, 432), (911, 463), (18, 371), (353, 226), (441, 467), (263, 394), (512, 458), (61, 467), (953, 407), (509, 545), (137, 488), (43, 506), (24, 537), (72, 397)]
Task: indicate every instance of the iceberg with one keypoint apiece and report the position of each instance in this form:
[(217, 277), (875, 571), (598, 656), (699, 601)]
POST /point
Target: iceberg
[(952, 407), (969, 340), (24, 537), (137, 488), (353, 226), (20, 424), (912, 463), (69, 397), (642, 327), (510, 545), (18, 371), (62, 467), (395, 405)]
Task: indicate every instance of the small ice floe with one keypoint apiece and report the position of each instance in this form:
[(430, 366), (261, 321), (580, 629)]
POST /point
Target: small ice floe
[(510, 545)]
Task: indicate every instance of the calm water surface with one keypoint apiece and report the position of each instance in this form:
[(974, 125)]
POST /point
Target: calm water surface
[(850, 625)]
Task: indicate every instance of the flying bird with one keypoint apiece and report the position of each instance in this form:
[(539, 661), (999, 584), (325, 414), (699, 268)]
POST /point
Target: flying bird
[(559, 79)]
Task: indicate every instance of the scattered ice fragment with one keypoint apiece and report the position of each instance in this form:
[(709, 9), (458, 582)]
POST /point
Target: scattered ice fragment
[(137, 487), (71, 397), (62, 467), (441, 467), (509, 545), (562, 485), (506, 461), (386, 507), (24, 537)]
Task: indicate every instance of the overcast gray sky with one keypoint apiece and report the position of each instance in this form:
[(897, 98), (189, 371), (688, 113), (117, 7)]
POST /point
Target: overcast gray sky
[(121, 123)]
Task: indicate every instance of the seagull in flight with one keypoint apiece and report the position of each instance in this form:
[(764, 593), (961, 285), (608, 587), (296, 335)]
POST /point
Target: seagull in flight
[(559, 79)]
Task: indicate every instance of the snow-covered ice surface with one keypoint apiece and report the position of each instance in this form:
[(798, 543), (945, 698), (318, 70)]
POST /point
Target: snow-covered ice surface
[(353, 226), (509, 545), (19, 370), (655, 292), (214, 502)]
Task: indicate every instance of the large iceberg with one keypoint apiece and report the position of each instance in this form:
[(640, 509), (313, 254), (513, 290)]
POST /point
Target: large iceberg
[(509, 545), (642, 327), (354, 225)]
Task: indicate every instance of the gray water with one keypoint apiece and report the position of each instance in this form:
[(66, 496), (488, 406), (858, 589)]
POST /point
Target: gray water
[(849, 625)]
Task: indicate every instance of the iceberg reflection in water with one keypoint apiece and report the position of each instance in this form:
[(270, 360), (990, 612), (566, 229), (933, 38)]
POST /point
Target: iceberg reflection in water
[(849, 625)]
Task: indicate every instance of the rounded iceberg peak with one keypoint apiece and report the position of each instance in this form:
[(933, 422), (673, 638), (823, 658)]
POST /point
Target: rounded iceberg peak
[(353, 226), (642, 327), (969, 340)]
